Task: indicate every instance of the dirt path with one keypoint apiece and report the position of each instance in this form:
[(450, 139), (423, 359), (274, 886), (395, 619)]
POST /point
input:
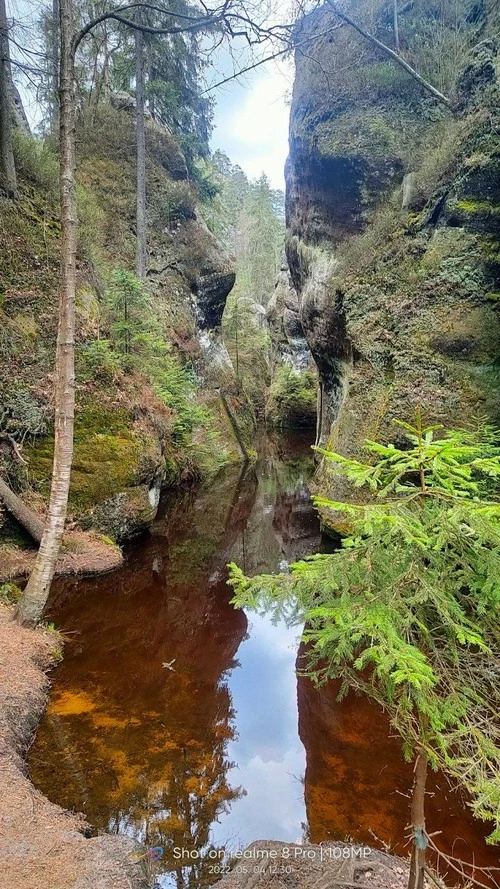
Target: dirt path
[(41, 845)]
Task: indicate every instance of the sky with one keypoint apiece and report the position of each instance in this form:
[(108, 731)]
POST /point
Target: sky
[(251, 113), (251, 120)]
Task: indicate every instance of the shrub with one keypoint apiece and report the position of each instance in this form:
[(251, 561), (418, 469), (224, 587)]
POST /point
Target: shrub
[(292, 398), (9, 593), (36, 161), (97, 359), (407, 610)]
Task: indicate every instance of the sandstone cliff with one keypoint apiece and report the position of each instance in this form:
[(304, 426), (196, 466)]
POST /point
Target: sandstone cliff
[(128, 440), (393, 219)]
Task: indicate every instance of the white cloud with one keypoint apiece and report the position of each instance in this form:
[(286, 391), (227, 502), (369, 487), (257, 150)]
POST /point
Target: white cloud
[(274, 806), (251, 124)]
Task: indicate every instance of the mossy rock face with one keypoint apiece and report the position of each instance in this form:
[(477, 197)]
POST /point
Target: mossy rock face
[(397, 285), (122, 454), (126, 514), (188, 272), (111, 456), (292, 399)]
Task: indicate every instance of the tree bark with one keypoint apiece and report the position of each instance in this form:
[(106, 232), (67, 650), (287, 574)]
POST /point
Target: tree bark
[(392, 55), (54, 68), (35, 595), (141, 154), (8, 180), (396, 24), (417, 865), (24, 515)]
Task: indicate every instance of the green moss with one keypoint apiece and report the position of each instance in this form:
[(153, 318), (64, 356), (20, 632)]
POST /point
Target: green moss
[(484, 207), (9, 593), (172, 471), (292, 399), (490, 248), (108, 457)]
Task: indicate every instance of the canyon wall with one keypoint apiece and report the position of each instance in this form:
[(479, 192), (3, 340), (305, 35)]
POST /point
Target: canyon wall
[(131, 436), (393, 219)]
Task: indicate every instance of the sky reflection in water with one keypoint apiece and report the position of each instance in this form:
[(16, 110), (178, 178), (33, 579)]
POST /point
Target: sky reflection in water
[(270, 756), (163, 755), (160, 754)]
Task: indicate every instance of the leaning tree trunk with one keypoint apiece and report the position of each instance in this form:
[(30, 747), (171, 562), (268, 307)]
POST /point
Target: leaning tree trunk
[(141, 154), (417, 865), (392, 55), (395, 17), (24, 515), (8, 182), (35, 595)]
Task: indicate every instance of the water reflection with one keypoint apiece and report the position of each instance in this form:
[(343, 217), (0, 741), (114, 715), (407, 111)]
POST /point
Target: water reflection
[(155, 729), (268, 751), (357, 785), (140, 733)]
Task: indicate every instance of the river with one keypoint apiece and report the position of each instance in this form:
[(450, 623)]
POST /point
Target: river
[(178, 720)]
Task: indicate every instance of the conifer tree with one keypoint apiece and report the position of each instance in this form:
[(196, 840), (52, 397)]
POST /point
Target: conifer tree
[(262, 232), (407, 610)]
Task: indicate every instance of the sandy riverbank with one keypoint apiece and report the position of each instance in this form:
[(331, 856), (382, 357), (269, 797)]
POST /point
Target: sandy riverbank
[(41, 845)]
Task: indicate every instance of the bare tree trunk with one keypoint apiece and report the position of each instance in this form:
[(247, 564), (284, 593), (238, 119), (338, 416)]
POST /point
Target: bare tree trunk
[(396, 24), (392, 55), (141, 154), (35, 595), (8, 181), (417, 871), (24, 515), (151, 77), (54, 68), (235, 427), (106, 84)]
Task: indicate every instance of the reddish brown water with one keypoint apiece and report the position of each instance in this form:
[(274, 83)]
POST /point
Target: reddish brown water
[(173, 717)]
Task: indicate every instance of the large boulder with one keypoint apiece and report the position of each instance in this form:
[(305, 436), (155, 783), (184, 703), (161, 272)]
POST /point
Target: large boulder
[(118, 469)]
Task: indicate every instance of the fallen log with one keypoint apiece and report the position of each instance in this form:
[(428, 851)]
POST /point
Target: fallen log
[(25, 516), (235, 427)]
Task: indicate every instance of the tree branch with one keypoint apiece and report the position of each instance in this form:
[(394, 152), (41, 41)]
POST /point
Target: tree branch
[(5, 436), (275, 55), (392, 55), (115, 14)]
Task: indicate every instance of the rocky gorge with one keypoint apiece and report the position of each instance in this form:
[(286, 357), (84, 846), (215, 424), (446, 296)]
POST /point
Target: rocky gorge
[(177, 719), (128, 443), (393, 225)]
